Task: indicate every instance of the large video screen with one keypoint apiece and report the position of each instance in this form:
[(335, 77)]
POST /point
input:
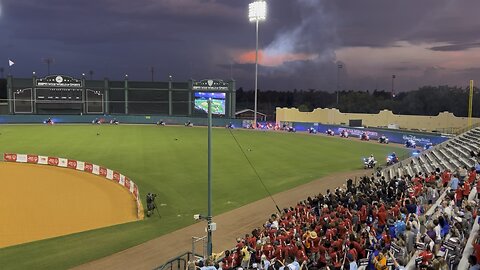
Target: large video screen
[(218, 102)]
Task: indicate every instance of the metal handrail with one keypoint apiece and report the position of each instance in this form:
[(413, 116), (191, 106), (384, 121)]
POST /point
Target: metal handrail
[(179, 259)]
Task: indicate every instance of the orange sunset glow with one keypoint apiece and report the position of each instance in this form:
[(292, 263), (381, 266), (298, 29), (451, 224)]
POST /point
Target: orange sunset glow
[(271, 59)]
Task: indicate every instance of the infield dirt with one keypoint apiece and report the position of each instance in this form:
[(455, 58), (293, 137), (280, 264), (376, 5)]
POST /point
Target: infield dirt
[(39, 202)]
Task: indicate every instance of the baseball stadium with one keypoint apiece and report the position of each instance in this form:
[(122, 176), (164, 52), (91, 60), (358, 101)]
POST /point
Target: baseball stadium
[(87, 188), (190, 175)]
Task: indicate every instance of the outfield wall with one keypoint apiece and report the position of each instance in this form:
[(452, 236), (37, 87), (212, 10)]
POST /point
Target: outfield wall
[(394, 136), (443, 122), (109, 174), (129, 119)]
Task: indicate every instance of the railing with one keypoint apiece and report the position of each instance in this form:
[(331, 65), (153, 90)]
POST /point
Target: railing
[(179, 263), (458, 131)]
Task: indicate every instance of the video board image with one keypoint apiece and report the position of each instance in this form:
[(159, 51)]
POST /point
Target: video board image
[(218, 102)]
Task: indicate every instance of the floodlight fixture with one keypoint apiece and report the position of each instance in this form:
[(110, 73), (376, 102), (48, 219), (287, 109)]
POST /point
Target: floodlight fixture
[(257, 11)]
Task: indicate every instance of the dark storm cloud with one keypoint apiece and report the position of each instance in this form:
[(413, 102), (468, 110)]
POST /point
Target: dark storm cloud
[(382, 23), (455, 47), (199, 38)]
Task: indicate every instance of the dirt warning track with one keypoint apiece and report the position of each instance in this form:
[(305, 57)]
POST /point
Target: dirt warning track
[(39, 202)]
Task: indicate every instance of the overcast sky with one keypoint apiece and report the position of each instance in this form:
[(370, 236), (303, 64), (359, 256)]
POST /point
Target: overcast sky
[(423, 42)]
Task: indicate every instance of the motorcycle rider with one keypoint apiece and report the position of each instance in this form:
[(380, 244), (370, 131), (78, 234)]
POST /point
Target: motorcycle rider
[(371, 159)]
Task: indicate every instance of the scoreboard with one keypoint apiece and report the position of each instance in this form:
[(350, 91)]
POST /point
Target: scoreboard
[(59, 95)]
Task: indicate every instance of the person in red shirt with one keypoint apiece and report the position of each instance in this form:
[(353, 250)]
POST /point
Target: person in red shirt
[(228, 261), (314, 241), (466, 189), (446, 177), (336, 258), (426, 256), (472, 175), (430, 178), (278, 254), (352, 251), (240, 243), (363, 214), (268, 250), (382, 218), (322, 251)]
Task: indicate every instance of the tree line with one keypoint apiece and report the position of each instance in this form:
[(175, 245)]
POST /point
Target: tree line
[(427, 100)]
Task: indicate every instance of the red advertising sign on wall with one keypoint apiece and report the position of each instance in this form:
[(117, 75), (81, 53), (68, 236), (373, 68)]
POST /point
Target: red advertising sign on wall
[(116, 176), (135, 191), (32, 159), (127, 183), (88, 167), (10, 157), (52, 161), (72, 164), (103, 171)]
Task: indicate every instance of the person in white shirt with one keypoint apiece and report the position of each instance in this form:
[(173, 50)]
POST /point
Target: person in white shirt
[(437, 230)]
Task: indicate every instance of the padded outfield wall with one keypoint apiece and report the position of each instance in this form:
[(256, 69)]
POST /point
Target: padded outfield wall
[(123, 119), (394, 136), (444, 122)]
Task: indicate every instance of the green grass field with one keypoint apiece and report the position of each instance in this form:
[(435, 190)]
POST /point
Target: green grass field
[(172, 162)]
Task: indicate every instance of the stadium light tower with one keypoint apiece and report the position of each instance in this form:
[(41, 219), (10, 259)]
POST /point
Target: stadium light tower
[(339, 66), (257, 11), (393, 85)]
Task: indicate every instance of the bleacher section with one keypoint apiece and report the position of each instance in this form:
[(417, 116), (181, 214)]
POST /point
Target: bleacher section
[(452, 154)]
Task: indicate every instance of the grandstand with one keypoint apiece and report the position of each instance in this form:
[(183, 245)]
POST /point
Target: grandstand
[(451, 154)]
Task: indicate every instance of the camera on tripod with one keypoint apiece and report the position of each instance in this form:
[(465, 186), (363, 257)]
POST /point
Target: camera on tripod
[(151, 206)]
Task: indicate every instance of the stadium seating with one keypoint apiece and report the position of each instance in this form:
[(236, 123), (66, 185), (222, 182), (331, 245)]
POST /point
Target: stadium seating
[(451, 155)]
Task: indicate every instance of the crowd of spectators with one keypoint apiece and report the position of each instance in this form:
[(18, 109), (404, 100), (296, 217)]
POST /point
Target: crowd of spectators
[(371, 224)]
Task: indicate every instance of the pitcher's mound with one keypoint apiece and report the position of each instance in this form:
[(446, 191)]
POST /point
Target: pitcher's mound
[(38, 202)]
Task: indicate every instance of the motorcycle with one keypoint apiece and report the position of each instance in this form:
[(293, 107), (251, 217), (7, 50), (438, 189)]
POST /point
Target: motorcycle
[(427, 146), (330, 132), (391, 160), (364, 137), (368, 163), (312, 130), (383, 139), (344, 134), (410, 144)]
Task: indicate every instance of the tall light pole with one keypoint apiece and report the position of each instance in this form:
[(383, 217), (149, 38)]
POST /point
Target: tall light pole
[(48, 61), (209, 173), (257, 11), (393, 85), (152, 72), (470, 104), (339, 66)]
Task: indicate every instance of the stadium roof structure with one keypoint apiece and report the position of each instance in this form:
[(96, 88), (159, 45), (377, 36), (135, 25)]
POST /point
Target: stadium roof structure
[(248, 114), (248, 110)]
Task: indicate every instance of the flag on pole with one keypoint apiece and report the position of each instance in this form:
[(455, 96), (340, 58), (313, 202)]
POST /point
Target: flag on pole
[(10, 63)]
